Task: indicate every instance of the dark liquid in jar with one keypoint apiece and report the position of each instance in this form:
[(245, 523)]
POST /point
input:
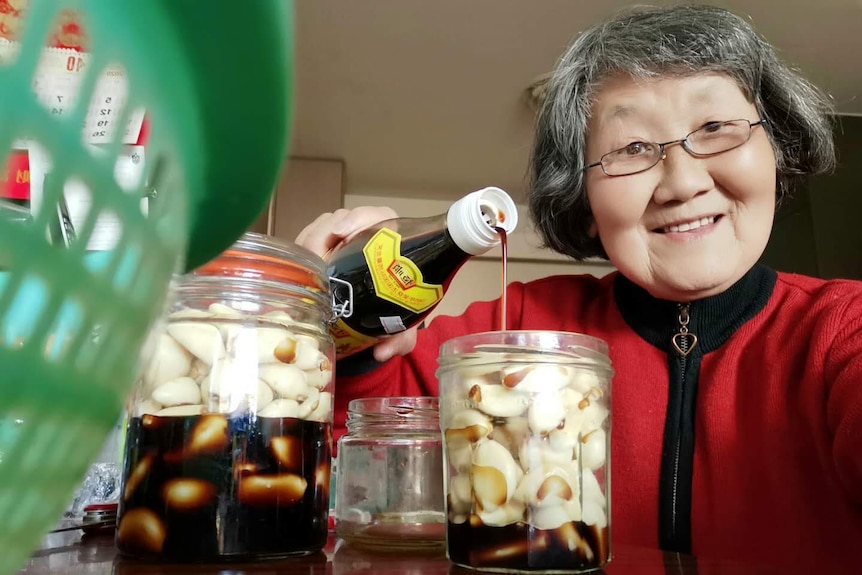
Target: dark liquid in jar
[(574, 545), (212, 486)]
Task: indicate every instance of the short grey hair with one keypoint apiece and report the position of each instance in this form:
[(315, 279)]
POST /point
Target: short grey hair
[(646, 42)]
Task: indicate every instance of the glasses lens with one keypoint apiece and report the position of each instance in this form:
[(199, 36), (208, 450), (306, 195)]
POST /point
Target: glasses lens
[(635, 157), (718, 137)]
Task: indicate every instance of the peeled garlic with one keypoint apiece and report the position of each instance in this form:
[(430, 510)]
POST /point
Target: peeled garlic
[(547, 486), (180, 391), (494, 473), (546, 412), (308, 354), (535, 453), (257, 342), (593, 449), (460, 500), (499, 401), (148, 406), (323, 411), (470, 425), (536, 378), (309, 403), (181, 410), (285, 380), (594, 514), (169, 361), (506, 514), (280, 408), (203, 340), (221, 311)]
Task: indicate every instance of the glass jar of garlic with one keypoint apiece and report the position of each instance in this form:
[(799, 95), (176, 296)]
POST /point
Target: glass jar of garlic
[(525, 417), (229, 438)]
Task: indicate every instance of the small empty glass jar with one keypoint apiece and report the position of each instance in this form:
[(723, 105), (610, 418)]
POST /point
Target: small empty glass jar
[(390, 475)]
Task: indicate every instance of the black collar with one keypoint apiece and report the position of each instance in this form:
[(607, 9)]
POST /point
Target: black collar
[(713, 319)]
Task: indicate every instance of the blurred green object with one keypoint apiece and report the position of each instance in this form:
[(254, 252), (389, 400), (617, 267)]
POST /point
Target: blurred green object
[(215, 81)]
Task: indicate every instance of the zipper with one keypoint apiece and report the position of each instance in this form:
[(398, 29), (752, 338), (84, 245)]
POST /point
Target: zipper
[(683, 342)]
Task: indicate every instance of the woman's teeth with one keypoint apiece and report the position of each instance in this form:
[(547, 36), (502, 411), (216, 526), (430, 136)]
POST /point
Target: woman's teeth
[(688, 226)]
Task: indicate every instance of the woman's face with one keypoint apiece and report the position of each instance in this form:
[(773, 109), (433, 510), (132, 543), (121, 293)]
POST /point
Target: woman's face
[(644, 220)]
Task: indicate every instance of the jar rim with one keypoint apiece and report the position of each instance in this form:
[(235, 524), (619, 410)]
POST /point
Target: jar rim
[(529, 346), (399, 407), (258, 259)]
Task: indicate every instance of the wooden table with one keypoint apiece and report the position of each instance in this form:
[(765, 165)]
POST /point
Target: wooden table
[(70, 553)]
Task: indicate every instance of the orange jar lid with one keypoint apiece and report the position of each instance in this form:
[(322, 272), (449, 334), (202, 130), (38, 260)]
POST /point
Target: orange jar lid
[(258, 257)]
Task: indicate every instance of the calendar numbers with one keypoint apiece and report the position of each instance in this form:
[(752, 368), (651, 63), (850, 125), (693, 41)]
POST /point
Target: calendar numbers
[(57, 82)]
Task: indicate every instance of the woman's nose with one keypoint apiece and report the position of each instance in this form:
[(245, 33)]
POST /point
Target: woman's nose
[(683, 176)]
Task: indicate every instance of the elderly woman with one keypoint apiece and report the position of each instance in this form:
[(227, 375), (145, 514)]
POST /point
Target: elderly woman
[(667, 139)]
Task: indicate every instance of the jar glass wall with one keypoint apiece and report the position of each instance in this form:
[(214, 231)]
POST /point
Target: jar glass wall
[(229, 438), (526, 422)]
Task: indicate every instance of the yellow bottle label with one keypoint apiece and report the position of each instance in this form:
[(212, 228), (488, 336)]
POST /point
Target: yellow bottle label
[(396, 278), (347, 340)]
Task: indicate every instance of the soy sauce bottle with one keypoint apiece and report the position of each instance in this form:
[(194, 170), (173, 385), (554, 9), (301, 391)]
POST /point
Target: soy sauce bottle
[(389, 277)]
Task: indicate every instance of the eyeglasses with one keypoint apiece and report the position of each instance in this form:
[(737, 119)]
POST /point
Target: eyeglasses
[(711, 139)]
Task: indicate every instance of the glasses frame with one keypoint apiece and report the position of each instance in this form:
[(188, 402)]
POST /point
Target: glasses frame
[(684, 142)]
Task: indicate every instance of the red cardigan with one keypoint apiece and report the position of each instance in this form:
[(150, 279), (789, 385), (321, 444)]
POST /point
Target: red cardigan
[(777, 467)]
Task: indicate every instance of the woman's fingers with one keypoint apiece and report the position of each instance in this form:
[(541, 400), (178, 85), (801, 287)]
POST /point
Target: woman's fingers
[(328, 230)]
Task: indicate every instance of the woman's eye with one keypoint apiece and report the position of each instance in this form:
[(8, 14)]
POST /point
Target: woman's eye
[(713, 127), (636, 149)]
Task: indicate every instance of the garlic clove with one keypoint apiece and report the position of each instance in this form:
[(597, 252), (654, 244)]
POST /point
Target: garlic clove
[(189, 313), (536, 453), (257, 342), (179, 391), (551, 517), (222, 311), (321, 375), (181, 410), (546, 412), (286, 380), (594, 514), (459, 453), (308, 355), (148, 406), (279, 316), (493, 489), (280, 408), (593, 449), (468, 425), (169, 361), (459, 496), (323, 411), (309, 403), (506, 514), (263, 397), (536, 378), (203, 340), (498, 401)]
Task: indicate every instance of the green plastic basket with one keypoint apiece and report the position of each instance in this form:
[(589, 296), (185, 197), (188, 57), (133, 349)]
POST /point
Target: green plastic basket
[(214, 79)]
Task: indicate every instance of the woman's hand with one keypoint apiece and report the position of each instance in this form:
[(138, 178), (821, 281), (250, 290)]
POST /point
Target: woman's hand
[(327, 231)]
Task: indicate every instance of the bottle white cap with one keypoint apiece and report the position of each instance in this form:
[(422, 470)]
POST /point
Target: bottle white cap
[(471, 220)]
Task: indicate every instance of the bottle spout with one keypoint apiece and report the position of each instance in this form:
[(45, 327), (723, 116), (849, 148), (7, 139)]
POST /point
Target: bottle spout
[(474, 220)]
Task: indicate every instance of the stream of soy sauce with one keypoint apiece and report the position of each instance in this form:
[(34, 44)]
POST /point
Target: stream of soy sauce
[(504, 246)]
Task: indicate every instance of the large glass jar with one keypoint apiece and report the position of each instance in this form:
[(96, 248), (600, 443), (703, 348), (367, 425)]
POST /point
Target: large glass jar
[(390, 475), (526, 424), (229, 437)]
